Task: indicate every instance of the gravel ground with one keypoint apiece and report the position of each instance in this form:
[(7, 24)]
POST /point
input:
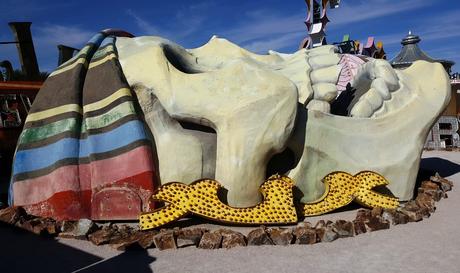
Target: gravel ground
[(432, 245)]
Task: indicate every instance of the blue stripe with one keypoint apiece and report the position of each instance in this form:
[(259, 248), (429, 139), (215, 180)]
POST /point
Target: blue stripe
[(97, 39), (108, 40), (39, 158)]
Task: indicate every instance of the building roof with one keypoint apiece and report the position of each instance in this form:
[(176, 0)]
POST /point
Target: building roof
[(411, 52)]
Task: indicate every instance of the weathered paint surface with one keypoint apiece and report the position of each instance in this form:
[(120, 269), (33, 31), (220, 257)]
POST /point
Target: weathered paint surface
[(84, 151)]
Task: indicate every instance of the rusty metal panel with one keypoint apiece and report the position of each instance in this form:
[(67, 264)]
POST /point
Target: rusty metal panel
[(115, 203)]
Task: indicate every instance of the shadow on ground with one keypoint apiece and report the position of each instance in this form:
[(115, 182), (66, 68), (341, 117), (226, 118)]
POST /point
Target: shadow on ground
[(435, 164), (131, 261), (21, 251), (432, 165)]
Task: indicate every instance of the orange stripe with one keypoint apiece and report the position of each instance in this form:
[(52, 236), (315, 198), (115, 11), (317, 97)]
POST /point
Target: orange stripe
[(17, 85)]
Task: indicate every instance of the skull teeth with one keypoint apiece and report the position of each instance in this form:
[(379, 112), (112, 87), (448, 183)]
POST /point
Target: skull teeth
[(384, 85)]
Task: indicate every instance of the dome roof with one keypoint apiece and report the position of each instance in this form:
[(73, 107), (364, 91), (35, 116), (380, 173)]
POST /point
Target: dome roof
[(411, 52)]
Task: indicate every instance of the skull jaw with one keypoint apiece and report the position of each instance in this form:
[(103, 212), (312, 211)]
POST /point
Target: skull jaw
[(390, 145)]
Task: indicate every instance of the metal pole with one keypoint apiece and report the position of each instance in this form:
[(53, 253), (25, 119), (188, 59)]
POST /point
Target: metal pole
[(25, 46)]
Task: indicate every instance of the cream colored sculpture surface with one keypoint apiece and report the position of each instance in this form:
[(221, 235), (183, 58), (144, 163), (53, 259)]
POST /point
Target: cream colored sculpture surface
[(222, 112)]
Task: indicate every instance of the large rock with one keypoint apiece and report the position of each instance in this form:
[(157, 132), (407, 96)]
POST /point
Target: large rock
[(11, 215), (424, 200), (325, 231), (344, 228), (188, 237), (165, 240), (444, 184), (280, 236), (359, 227), (377, 223), (122, 243), (372, 220), (415, 213), (39, 226), (259, 237), (79, 230), (305, 235), (231, 239), (101, 236), (326, 234), (400, 218), (147, 238), (376, 211), (211, 240), (363, 215)]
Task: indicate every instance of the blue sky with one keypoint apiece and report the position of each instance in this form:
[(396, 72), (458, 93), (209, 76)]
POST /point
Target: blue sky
[(253, 24)]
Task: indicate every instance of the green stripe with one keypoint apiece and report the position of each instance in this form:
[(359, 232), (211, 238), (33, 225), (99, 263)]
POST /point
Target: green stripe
[(102, 52), (118, 112), (49, 130), (71, 124), (85, 50)]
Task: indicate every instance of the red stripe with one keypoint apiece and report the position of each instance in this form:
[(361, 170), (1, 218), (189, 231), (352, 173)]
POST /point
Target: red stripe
[(71, 205), (61, 206), (92, 176), (32, 191), (103, 172)]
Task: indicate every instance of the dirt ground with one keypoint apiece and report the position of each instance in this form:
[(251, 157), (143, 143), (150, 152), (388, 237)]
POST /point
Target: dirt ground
[(432, 245)]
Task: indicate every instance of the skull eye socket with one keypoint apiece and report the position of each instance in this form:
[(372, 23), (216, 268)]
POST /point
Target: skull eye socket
[(181, 59)]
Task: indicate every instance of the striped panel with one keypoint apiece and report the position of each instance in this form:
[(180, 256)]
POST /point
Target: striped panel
[(72, 124), (105, 59), (73, 148), (83, 160), (122, 110), (50, 130), (104, 102), (103, 51), (81, 61), (76, 178), (80, 137), (82, 57), (54, 112)]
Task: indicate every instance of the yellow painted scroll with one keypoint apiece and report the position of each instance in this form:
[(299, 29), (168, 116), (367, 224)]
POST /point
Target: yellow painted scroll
[(201, 198), (343, 188)]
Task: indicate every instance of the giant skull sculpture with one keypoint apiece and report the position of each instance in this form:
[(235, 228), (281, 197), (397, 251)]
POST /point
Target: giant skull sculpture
[(221, 112)]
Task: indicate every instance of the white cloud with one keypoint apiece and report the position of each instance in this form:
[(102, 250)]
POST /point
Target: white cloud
[(263, 29), (146, 27), (372, 9), (189, 19), (265, 25), (262, 46), (52, 34)]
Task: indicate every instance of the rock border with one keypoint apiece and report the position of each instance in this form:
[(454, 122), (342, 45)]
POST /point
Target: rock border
[(123, 237)]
